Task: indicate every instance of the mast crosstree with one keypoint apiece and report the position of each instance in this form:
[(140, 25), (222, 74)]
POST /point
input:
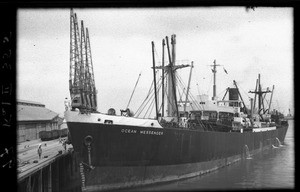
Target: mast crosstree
[(170, 70), (261, 96)]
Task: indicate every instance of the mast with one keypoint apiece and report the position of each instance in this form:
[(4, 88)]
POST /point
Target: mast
[(260, 93), (170, 106), (163, 78), (154, 79), (251, 105), (271, 98), (188, 88), (251, 112), (214, 70), (256, 85), (173, 42), (263, 98), (214, 86)]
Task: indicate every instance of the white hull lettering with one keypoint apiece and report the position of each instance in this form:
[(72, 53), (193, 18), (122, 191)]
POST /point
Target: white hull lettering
[(144, 132), (128, 131), (151, 132)]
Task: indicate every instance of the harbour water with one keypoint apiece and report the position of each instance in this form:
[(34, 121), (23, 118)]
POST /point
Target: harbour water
[(271, 169)]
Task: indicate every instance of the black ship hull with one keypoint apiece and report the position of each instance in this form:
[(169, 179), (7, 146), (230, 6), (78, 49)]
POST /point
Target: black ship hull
[(126, 156)]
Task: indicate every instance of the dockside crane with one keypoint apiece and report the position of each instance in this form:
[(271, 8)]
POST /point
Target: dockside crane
[(92, 93), (81, 80)]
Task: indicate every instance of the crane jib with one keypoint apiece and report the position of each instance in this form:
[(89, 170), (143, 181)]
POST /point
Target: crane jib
[(81, 82)]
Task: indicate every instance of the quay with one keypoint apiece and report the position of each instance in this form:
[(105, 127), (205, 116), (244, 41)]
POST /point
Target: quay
[(56, 171)]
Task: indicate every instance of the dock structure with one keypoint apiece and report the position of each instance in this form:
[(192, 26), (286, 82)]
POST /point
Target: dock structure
[(56, 171)]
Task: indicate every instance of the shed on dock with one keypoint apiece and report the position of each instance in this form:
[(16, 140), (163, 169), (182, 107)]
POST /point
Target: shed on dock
[(33, 117)]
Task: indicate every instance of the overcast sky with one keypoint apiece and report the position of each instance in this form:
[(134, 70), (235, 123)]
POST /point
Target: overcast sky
[(246, 43)]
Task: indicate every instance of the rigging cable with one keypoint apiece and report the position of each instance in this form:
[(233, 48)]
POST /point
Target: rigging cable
[(133, 90), (146, 97), (151, 105), (145, 103), (191, 95), (142, 107)]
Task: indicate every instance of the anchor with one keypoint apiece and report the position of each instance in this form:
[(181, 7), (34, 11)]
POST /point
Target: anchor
[(88, 141)]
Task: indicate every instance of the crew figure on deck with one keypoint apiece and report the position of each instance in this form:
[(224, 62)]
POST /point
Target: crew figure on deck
[(40, 151)]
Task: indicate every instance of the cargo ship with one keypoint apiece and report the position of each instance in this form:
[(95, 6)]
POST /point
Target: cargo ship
[(187, 139)]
